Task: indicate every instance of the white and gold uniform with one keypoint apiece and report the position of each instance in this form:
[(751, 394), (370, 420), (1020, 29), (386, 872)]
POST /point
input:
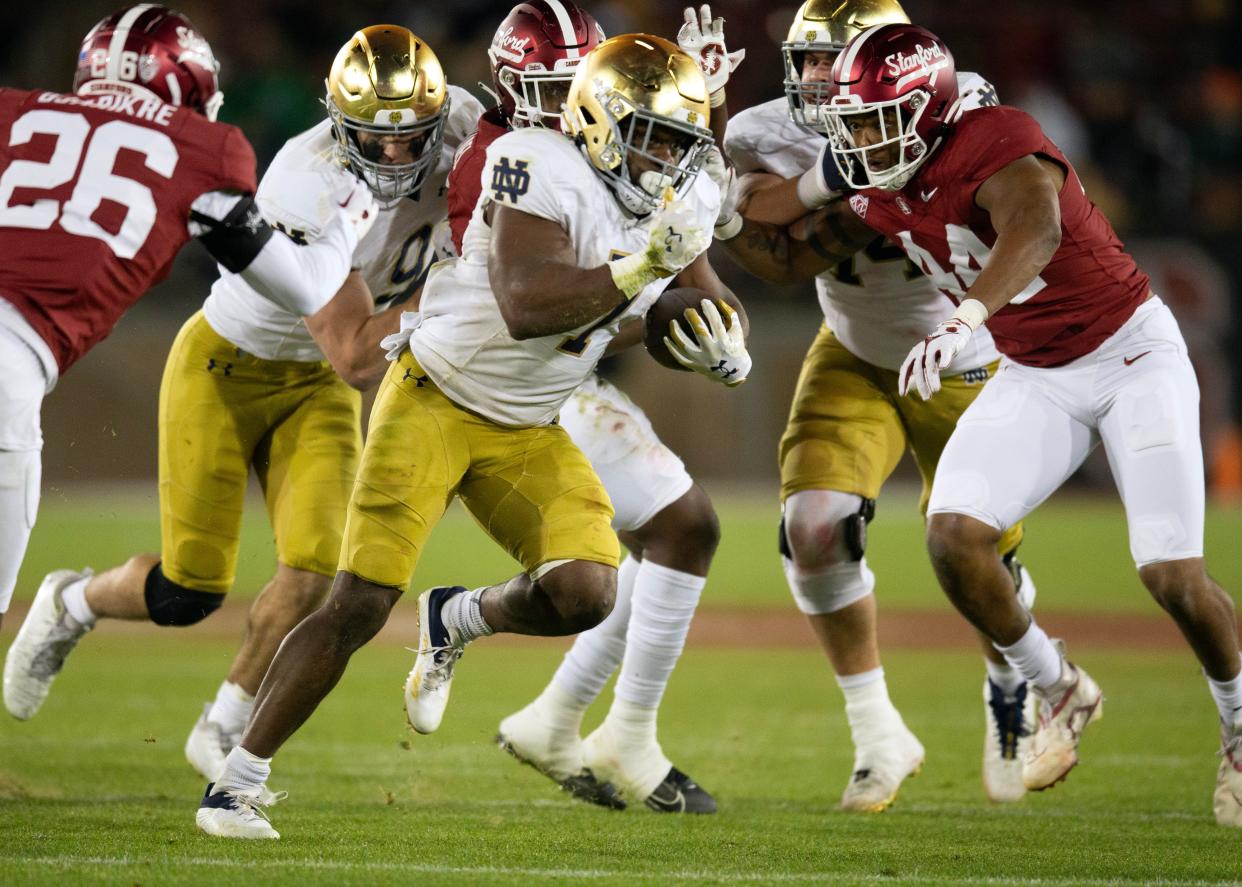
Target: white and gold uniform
[(245, 384), (469, 410), (848, 428)]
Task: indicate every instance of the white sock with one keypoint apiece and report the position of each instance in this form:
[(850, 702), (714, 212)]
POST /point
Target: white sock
[(632, 729), (232, 708), (560, 710), (1228, 696), (19, 483), (1035, 656), (74, 599), (1005, 676), (871, 714), (663, 606), (463, 617), (244, 771), (596, 654)]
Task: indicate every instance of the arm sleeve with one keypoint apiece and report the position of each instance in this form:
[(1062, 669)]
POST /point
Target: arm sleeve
[(301, 279)]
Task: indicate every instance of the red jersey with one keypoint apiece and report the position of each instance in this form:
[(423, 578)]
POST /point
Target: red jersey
[(1084, 294), (95, 195), (465, 180)]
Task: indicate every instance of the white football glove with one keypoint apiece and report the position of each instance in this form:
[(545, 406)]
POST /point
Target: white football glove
[(728, 221), (703, 40), (675, 239), (716, 351), (921, 369)]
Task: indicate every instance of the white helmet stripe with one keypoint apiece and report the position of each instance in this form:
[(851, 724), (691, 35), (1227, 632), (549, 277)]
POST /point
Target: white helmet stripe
[(120, 35), (174, 88), (567, 27), (854, 47)]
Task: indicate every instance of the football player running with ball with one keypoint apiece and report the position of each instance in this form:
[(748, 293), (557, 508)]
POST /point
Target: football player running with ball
[(992, 211), (572, 238), (848, 426), (662, 516), (250, 384), (99, 190)]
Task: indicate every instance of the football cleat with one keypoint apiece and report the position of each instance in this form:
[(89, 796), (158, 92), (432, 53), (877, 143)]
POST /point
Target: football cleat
[(1008, 727), (1023, 583), (38, 652), (557, 755), (879, 770), (1227, 799), (431, 678), (678, 793), (644, 775), (235, 814), (1053, 751), (208, 745)]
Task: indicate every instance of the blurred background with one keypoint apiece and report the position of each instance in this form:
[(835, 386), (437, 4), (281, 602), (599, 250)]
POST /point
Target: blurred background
[(1145, 98)]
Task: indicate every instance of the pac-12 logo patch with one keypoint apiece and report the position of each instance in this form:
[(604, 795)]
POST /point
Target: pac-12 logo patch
[(859, 203), (510, 179)]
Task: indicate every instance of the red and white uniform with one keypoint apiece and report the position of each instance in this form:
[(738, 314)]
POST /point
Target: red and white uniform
[(641, 474), (95, 203), (1089, 357)]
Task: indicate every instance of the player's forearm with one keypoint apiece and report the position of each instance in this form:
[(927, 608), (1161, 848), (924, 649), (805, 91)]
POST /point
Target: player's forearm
[(784, 254), (546, 298), (302, 279), (1020, 253), (773, 200)]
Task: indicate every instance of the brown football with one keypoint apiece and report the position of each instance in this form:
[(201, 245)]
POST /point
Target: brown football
[(671, 306)]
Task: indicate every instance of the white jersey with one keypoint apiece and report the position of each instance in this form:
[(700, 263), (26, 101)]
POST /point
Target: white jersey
[(295, 197), (877, 303), (463, 342)]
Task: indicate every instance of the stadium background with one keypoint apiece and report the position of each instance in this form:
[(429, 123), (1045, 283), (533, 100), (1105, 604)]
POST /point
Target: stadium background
[(1144, 97)]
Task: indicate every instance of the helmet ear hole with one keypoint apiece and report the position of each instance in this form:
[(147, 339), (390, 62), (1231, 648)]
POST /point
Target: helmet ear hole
[(588, 117)]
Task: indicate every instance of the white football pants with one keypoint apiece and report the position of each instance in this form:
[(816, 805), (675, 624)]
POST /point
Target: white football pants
[(22, 386)]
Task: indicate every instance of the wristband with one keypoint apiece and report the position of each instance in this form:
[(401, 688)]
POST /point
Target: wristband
[(971, 312), (717, 98), (811, 190), (633, 272), (729, 228)]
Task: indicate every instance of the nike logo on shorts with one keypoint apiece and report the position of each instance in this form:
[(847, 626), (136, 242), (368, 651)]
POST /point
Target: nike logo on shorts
[(1129, 360)]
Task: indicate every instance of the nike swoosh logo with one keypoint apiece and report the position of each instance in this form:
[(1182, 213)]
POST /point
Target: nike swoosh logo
[(1129, 360), (675, 804), (928, 195)]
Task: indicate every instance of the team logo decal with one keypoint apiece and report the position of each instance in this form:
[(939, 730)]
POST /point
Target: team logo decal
[(394, 117), (902, 205), (148, 67), (859, 204), (692, 117), (510, 179)]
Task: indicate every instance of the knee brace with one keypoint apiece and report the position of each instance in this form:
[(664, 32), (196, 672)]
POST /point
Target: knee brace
[(830, 590), (853, 529), (173, 604)]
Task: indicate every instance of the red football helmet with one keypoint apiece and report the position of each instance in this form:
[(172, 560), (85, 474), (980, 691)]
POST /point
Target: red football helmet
[(533, 55), (895, 86), (151, 48)]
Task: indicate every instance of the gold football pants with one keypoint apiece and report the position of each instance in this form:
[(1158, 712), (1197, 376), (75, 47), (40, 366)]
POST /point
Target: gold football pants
[(530, 489), (848, 428), (223, 411)]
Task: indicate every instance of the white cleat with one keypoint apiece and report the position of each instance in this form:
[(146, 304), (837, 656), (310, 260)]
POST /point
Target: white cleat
[(643, 775), (208, 745), (430, 680), (1227, 799), (1009, 726), (555, 754), (1053, 752), (39, 650), (879, 770), (232, 814)]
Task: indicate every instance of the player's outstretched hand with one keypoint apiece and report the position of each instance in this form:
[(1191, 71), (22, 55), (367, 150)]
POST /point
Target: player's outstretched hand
[(702, 38), (716, 168), (717, 350), (921, 369)]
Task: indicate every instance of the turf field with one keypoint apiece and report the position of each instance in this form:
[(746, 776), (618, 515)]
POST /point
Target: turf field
[(95, 788)]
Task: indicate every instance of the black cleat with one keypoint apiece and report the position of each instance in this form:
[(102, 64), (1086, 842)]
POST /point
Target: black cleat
[(582, 785), (678, 793)]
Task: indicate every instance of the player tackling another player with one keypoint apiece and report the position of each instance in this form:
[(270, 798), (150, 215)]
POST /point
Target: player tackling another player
[(992, 211), (572, 238), (99, 190)]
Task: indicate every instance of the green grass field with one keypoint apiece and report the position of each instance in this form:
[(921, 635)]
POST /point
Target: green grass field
[(95, 788)]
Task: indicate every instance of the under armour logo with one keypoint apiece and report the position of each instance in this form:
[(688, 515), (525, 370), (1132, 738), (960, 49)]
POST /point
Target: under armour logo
[(723, 369), (418, 380), (226, 368), (511, 180)]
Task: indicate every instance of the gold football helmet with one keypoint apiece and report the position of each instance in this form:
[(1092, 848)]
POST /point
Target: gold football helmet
[(387, 82), (826, 26), (638, 99)]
